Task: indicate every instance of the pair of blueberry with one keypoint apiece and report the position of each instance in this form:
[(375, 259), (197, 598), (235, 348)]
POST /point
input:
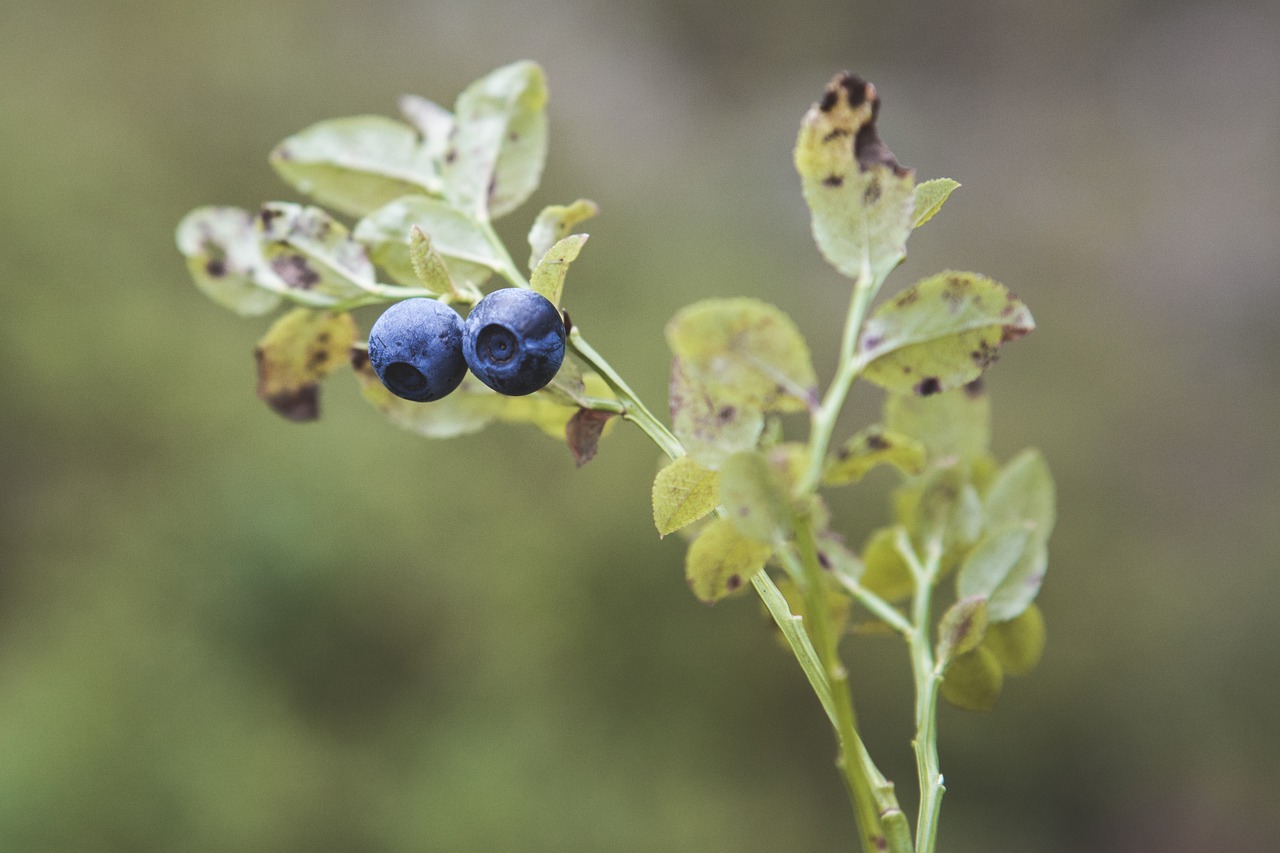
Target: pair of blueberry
[(513, 341)]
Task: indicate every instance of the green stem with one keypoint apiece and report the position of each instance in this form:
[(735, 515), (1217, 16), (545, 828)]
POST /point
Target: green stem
[(824, 419), (853, 759), (928, 676)]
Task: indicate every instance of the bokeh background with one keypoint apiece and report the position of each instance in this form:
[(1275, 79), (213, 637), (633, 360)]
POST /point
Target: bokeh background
[(223, 632)]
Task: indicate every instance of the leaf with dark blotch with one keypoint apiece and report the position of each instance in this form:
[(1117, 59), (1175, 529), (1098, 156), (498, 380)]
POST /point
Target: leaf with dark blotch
[(756, 497), (583, 434), (499, 146), (224, 257), (861, 200), (951, 424), (721, 561), (312, 252), (357, 164), (710, 429), (871, 447), (941, 333), (962, 627), (301, 348)]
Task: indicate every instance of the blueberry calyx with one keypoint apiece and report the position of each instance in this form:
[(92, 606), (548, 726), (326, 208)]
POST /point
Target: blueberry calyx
[(514, 341)]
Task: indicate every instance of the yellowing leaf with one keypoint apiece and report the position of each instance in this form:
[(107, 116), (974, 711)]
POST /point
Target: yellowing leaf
[(952, 424), (722, 560), (885, 572), (871, 447), (940, 333), (1019, 643), (710, 429), (973, 681), (548, 275), (744, 352), (301, 348), (555, 223), (756, 497), (683, 492), (861, 200), (356, 164)]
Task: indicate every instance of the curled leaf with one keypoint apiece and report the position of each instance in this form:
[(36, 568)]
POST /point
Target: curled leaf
[(929, 199), (555, 223), (548, 275)]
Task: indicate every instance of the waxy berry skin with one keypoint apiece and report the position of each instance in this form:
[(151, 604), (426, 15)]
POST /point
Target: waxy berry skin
[(415, 347), (514, 341)]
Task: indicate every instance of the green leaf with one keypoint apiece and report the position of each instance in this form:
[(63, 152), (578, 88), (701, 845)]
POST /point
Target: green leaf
[(987, 566), (871, 447), (683, 492), (357, 164), (710, 429), (301, 348), (721, 560), (929, 199), (756, 498), (470, 408), (860, 199), (940, 333), (962, 628), (433, 122), (459, 239), (548, 276), (973, 681), (1022, 495), (954, 424), (499, 146), (947, 508), (1019, 643), (744, 352), (555, 223), (312, 252), (885, 571), (428, 266), (224, 257)]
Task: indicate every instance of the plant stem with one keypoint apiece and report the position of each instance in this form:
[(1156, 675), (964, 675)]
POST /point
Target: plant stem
[(824, 419), (853, 758), (928, 677)]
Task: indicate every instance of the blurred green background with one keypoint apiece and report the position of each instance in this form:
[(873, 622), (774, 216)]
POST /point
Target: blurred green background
[(223, 632)]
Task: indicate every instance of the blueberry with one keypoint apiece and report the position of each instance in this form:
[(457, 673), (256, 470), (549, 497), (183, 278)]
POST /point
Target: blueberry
[(514, 341), (415, 347)]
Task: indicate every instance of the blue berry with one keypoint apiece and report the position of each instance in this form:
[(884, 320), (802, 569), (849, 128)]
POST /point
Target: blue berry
[(415, 347), (514, 341)]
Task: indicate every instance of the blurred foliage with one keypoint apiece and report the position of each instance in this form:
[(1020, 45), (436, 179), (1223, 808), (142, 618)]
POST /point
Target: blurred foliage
[(220, 631)]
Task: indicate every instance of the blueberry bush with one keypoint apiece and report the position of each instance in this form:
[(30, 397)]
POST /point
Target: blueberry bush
[(423, 192)]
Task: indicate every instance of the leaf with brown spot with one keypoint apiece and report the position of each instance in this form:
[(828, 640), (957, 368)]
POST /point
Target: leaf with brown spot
[(868, 448), (941, 333), (224, 257), (313, 253), (710, 429), (301, 348), (861, 200), (721, 561), (583, 434), (962, 628)]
